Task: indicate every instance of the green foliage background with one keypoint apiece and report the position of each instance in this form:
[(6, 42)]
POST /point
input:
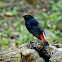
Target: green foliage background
[(13, 32)]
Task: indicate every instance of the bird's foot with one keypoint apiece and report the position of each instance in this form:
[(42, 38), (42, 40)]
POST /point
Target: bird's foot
[(46, 43)]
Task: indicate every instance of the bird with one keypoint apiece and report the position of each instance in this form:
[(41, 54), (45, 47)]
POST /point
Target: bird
[(35, 28)]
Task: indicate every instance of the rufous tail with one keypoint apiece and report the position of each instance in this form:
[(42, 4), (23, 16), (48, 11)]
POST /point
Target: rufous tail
[(43, 39)]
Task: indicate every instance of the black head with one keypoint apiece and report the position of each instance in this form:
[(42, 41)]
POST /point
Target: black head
[(27, 17)]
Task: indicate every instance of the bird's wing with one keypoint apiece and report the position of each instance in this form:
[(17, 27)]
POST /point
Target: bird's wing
[(33, 22), (39, 26), (35, 31)]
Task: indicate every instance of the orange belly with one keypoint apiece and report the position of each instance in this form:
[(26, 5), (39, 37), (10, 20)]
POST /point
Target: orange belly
[(42, 37)]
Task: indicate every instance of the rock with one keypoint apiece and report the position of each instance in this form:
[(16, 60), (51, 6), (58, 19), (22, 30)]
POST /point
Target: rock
[(10, 55), (31, 55), (34, 52), (58, 45), (56, 56), (37, 52)]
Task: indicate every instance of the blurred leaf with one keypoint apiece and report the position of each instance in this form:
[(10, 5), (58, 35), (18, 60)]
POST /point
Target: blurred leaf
[(44, 15), (2, 4), (15, 10), (17, 23)]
